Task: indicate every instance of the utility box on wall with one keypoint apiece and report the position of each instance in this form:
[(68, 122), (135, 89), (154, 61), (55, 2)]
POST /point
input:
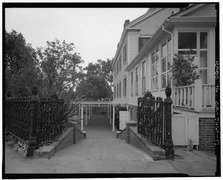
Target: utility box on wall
[(123, 118), (185, 127)]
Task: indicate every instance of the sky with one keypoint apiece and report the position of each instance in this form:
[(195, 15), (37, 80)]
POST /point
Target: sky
[(95, 32)]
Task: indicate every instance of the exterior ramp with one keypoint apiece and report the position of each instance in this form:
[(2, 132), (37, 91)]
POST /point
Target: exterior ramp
[(131, 136)]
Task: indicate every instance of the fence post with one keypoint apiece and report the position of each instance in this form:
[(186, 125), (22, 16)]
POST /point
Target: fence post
[(32, 129), (168, 142)]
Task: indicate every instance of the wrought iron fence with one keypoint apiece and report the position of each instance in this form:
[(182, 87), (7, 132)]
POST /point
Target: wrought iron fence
[(154, 120), (33, 120)]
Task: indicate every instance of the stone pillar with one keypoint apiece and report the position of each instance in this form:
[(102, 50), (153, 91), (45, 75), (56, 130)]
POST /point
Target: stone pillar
[(82, 117), (168, 141), (113, 119)]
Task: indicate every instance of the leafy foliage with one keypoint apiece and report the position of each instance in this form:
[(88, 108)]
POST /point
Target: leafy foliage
[(20, 64), (94, 88), (184, 70), (101, 68), (60, 65)]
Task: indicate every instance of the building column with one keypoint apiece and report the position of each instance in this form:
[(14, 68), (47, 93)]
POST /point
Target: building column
[(110, 114), (86, 116), (113, 119), (82, 117)]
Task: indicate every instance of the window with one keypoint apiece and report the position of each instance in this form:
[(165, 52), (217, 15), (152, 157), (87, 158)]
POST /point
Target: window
[(124, 87), (155, 70), (142, 41), (120, 63), (143, 77), (165, 64), (114, 91), (117, 68), (120, 89), (203, 57), (195, 44), (137, 79), (187, 40), (125, 54), (132, 83)]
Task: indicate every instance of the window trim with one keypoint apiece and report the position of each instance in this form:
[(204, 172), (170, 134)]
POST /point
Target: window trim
[(156, 63), (137, 81), (167, 54), (144, 77), (198, 50)]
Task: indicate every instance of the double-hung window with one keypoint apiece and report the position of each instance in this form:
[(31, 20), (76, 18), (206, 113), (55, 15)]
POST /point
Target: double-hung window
[(137, 80), (143, 77), (124, 87), (114, 91), (142, 42), (120, 89), (132, 83), (195, 44), (155, 70), (125, 54), (165, 64)]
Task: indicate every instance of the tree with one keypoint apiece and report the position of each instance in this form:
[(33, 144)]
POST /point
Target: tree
[(94, 87), (20, 64), (101, 68), (60, 65), (183, 70)]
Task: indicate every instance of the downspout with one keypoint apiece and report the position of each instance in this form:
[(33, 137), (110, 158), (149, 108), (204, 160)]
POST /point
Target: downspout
[(172, 44)]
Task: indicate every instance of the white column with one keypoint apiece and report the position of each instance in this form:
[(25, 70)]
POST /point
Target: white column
[(82, 117), (110, 114), (113, 122), (86, 116)]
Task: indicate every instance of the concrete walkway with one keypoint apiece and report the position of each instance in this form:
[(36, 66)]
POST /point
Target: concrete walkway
[(100, 152)]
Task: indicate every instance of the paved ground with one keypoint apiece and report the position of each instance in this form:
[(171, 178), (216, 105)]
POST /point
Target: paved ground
[(102, 152)]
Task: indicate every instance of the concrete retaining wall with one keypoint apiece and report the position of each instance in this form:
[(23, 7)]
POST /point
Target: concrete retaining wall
[(71, 136), (131, 136)]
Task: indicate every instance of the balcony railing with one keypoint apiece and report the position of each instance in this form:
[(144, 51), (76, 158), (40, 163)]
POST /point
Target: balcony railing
[(195, 97)]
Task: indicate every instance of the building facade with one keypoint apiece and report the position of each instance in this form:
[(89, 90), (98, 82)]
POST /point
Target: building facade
[(143, 63)]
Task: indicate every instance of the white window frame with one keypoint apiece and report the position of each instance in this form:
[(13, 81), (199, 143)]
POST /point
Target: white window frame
[(144, 77), (168, 54), (132, 81), (155, 64), (198, 49), (137, 81)]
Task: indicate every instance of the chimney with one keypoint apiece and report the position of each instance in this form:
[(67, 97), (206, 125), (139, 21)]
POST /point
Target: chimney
[(126, 22)]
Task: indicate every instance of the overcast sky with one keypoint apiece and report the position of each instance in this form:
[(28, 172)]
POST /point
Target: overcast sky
[(95, 32)]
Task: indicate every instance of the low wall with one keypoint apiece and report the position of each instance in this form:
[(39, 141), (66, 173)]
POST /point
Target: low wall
[(131, 136), (71, 136)]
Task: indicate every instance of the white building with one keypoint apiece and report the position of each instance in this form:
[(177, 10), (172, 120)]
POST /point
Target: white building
[(143, 63)]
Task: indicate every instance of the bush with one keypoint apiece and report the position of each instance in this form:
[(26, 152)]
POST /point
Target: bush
[(184, 70)]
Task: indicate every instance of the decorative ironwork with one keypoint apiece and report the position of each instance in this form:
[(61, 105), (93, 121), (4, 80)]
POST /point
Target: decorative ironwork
[(154, 120), (33, 120)]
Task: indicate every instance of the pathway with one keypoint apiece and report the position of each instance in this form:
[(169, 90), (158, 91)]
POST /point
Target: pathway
[(100, 152)]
